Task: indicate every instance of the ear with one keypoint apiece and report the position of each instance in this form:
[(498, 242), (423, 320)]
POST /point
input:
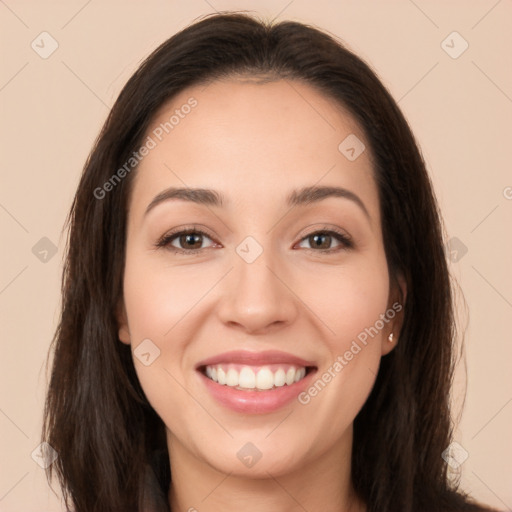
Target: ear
[(395, 313), (122, 322)]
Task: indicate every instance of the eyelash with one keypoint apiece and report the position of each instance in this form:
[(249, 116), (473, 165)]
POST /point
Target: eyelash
[(165, 241)]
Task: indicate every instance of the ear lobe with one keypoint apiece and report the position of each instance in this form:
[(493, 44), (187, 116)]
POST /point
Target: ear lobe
[(122, 323), (396, 304)]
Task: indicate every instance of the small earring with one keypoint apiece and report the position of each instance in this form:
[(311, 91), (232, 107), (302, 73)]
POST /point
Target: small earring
[(390, 338)]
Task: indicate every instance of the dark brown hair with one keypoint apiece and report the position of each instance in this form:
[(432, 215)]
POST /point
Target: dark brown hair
[(96, 414)]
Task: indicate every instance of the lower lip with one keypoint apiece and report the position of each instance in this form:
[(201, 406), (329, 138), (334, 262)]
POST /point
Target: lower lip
[(256, 402)]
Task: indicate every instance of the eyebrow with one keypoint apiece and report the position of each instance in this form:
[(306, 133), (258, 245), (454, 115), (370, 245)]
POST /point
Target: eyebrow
[(301, 197)]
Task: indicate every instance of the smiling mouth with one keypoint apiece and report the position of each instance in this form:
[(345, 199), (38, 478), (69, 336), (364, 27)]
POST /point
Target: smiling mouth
[(256, 378)]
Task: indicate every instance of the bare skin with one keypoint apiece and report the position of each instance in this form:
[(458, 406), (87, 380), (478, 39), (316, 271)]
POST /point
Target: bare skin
[(255, 143)]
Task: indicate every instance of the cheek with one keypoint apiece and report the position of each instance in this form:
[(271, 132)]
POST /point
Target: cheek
[(157, 302), (351, 306), (349, 301), (157, 298), (157, 308)]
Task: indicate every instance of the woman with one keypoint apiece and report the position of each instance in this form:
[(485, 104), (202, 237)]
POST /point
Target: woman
[(256, 301)]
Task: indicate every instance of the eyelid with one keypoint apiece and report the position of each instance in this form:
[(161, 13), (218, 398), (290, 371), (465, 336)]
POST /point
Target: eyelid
[(312, 229)]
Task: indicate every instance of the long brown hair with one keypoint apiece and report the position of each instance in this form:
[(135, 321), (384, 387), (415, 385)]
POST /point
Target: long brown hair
[(96, 415)]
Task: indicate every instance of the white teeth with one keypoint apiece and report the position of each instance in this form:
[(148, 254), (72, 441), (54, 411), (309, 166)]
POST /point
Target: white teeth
[(300, 374), (232, 377), (264, 379), (221, 376), (247, 378), (279, 378)]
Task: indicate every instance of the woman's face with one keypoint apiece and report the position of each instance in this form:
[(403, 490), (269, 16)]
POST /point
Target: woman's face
[(268, 292)]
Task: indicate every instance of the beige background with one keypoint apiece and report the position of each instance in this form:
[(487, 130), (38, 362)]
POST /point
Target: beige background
[(460, 110)]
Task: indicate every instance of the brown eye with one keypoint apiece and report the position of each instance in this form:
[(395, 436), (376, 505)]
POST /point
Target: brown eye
[(191, 241), (185, 241), (322, 241)]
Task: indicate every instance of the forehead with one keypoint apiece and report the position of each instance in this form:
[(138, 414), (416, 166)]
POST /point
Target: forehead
[(253, 141)]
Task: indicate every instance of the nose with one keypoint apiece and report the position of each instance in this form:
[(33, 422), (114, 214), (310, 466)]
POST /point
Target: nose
[(257, 296)]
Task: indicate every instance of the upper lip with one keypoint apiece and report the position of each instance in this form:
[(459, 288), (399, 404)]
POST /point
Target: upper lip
[(255, 358)]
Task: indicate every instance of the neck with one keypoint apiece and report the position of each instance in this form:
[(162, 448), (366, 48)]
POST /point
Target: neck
[(321, 483)]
